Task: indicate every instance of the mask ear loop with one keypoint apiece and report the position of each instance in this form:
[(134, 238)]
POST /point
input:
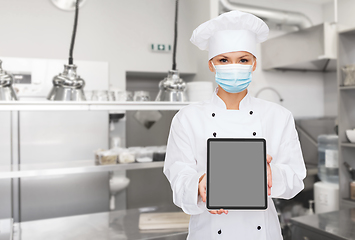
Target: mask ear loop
[(213, 65), (252, 66)]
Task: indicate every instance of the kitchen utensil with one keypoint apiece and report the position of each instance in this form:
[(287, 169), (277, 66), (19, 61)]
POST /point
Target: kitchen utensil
[(111, 96), (349, 72), (172, 88), (100, 96), (88, 94), (126, 157), (106, 157), (129, 96), (141, 96), (7, 92), (350, 133)]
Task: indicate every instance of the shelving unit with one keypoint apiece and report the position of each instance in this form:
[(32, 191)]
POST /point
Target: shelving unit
[(346, 115), (88, 106), (74, 167), (85, 166)]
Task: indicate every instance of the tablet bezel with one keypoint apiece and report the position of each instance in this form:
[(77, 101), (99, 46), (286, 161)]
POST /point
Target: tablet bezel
[(261, 207)]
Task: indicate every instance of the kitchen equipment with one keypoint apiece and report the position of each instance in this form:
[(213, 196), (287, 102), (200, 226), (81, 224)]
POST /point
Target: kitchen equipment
[(172, 88), (348, 75), (350, 134), (117, 184), (168, 220), (352, 190), (318, 42), (328, 169), (148, 118), (141, 96), (310, 211), (103, 157), (352, 181), (100, 96), (351, 170), (111, 96), (126, 156), (67, 5), (199, 91), (7, 92), (68, 86), (145, 155), (326, 197)]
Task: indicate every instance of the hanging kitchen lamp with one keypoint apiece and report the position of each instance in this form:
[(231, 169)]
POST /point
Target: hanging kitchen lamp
[(67, 5), (68, 86), (7, 92), (173, 88)]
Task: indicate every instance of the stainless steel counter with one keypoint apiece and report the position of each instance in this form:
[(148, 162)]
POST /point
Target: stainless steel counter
[(334, 225), (118, 225)]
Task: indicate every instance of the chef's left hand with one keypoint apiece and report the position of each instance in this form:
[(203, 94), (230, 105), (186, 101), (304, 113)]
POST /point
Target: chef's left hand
[(269, 175)]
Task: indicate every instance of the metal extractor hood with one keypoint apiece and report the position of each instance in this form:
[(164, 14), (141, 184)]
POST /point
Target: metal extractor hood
[(312, 49)]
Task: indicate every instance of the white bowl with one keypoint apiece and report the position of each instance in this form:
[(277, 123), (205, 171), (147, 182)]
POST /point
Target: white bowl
[(351, 135)]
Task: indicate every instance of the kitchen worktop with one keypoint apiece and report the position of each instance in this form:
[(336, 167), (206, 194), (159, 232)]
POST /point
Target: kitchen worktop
[(118, 225), (331, 225)]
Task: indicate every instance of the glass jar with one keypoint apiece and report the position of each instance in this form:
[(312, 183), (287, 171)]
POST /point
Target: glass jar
[(328, 168)]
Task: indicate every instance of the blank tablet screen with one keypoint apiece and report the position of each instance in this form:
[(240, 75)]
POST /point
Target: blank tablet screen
[(236, 173)]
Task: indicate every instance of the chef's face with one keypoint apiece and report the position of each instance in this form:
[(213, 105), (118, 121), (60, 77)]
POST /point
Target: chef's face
[(240, 57)]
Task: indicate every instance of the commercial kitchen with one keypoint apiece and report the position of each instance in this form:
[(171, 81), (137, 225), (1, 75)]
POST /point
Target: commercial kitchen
[(90, 91)]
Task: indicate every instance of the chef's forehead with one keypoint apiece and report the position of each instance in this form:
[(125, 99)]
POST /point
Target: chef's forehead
[(236, 54)]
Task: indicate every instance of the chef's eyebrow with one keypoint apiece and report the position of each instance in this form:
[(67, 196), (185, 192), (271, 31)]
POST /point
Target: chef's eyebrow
[(223, 56)]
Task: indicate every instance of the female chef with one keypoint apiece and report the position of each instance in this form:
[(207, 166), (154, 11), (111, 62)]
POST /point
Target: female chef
[(231, 40)]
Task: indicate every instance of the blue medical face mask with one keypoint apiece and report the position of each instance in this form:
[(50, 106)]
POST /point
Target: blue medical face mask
[(233, 78)]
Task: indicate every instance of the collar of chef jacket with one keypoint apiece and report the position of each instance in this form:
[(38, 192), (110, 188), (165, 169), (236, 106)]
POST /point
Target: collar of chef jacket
[(244, 103)]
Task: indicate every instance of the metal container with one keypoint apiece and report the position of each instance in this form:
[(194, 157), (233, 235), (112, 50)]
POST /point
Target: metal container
[(68, 86), (172, 88), (7, 92)]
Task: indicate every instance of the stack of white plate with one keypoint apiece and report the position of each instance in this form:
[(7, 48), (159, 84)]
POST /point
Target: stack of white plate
[(199, 91)]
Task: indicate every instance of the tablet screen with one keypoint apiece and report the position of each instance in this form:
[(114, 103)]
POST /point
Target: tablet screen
[(236, 173)]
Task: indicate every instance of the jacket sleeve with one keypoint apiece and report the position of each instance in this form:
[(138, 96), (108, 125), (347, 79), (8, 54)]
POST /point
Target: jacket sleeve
[(181, 170), (287, 168)]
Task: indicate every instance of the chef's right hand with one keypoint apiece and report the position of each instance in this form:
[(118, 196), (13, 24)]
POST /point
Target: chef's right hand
[(202, 193)]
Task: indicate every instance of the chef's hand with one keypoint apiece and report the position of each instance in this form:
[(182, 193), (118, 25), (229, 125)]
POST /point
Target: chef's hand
[(269, 175), (202, 193)]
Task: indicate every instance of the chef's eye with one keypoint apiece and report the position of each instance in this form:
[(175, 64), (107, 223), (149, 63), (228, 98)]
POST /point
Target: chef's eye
[(223, 60)]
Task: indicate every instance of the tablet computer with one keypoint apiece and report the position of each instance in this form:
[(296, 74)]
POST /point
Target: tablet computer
[(236, 174)]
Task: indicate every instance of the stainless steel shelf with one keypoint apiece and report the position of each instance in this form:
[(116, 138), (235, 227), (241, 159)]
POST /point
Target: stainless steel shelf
[(347, 202), (89, 106), (347, 87), (73, 167), (348, 145)]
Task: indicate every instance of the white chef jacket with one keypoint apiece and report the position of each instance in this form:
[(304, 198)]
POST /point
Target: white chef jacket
[(186, 159)]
